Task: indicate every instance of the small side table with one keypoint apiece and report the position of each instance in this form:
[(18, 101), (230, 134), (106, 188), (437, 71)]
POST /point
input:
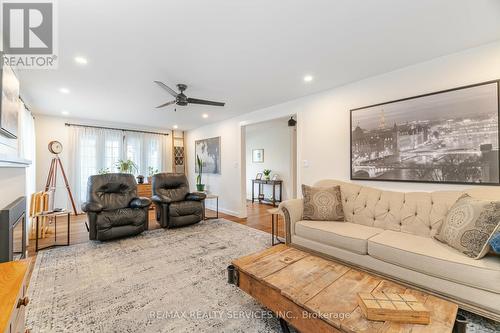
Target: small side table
[(49, 215), (275, 214), (211, 197)]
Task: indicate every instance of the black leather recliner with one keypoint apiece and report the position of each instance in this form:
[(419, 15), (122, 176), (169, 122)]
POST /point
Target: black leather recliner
[(175, 206), (113, 208)]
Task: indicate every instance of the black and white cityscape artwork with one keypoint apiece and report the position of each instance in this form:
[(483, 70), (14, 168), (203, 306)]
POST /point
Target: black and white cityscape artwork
[(445, 137), (209, 152)]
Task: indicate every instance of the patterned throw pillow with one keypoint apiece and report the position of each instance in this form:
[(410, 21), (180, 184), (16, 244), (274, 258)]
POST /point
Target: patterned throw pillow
[(322, 203), (495, 242), (469, 226)]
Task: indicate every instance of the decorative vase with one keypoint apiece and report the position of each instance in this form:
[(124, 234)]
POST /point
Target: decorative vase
[(140, 179), (200, 187), (267, 177)]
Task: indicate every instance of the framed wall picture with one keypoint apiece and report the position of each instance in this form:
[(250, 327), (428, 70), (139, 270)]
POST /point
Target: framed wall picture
[(258, 176), (258, 156), (209, 152), (9, 105), (449, 136)]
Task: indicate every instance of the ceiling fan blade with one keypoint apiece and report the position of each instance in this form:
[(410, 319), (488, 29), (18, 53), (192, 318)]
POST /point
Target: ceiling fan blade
[(167, 88), (204, 102), (166, 104)]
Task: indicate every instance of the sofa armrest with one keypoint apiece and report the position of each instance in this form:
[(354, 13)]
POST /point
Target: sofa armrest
[(161, 199), (93, 207), (292, 211), (196, 196), (141, 202)]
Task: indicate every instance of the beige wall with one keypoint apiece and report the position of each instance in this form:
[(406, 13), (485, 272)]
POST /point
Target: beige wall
[(323, 122)]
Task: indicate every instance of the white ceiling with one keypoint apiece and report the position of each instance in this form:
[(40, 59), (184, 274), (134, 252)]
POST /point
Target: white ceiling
[(250, 54)]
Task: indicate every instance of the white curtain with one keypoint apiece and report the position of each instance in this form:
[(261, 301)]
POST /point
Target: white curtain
[(95, 150), (147, 150), (27, 145)]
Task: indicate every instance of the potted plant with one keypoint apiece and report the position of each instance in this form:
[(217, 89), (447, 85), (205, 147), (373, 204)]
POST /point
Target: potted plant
[(126, 166), (151, 172), (267, 174), (103, 171), (199, 186)]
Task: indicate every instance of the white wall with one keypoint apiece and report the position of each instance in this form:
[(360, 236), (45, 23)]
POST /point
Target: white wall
[(50, 128), (275, 138), (323, 121)]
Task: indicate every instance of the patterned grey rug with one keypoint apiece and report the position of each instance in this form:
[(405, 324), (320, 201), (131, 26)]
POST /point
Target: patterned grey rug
[(160, 281)]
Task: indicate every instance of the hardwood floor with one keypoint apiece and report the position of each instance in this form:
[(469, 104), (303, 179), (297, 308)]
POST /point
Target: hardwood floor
[(257, 217)]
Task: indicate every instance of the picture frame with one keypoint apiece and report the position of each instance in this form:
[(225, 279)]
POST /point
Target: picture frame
[(449, 137), (10, 103), (275, 177), (209, 151), (258, 176), (257, 155)]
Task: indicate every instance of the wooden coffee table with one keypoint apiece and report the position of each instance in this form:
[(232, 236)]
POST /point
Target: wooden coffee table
[(314, 294)]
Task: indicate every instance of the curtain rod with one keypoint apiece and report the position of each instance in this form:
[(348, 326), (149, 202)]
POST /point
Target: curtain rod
[(113, 128)]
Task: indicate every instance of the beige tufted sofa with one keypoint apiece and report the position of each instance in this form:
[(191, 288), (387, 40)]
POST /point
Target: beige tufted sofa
[(391, 233)]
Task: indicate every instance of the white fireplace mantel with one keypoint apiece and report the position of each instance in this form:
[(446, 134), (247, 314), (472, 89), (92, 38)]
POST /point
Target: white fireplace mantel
[(14, 162)]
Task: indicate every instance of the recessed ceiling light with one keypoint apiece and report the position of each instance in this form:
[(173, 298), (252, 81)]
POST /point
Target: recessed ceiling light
[(64, 90), (81, 60), (64, 112), (308, 78), (205, 115), (175, 127)]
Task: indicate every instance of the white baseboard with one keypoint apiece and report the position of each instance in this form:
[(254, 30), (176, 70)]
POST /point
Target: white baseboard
[(223, 210)]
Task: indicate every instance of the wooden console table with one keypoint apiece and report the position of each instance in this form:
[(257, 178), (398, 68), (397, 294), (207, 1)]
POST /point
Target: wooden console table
[(274, 183), (318, 295), (13, 299)]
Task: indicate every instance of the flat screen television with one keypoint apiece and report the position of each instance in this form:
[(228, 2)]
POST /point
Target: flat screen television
[(9, 106)]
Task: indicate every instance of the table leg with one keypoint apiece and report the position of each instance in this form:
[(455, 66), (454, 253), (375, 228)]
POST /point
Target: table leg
[(36, 237), (253, 191), (68, 227), (274, 195), (272, 229), (55, 229), (217, 207)]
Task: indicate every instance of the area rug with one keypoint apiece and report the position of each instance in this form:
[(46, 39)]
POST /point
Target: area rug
[(160, 281)]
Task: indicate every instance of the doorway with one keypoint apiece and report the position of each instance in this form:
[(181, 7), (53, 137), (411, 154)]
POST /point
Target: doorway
[(269, 168)]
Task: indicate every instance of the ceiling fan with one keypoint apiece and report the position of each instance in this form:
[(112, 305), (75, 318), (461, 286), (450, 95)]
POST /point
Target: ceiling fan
[(181, 99)]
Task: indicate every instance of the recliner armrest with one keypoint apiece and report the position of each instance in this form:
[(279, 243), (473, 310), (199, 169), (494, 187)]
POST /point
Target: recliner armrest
[(158, 198), (140, 202), (93, 207), (197, 196)]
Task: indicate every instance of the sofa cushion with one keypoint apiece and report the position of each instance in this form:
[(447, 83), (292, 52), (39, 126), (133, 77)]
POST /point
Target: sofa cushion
[(182, 208), (121, 217), (429, 256), (418, 213), (322, 203), (348, 236), (469, 226)]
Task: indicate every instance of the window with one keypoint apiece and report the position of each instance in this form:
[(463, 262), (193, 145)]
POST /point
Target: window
[(98, 150), (112, 153)]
